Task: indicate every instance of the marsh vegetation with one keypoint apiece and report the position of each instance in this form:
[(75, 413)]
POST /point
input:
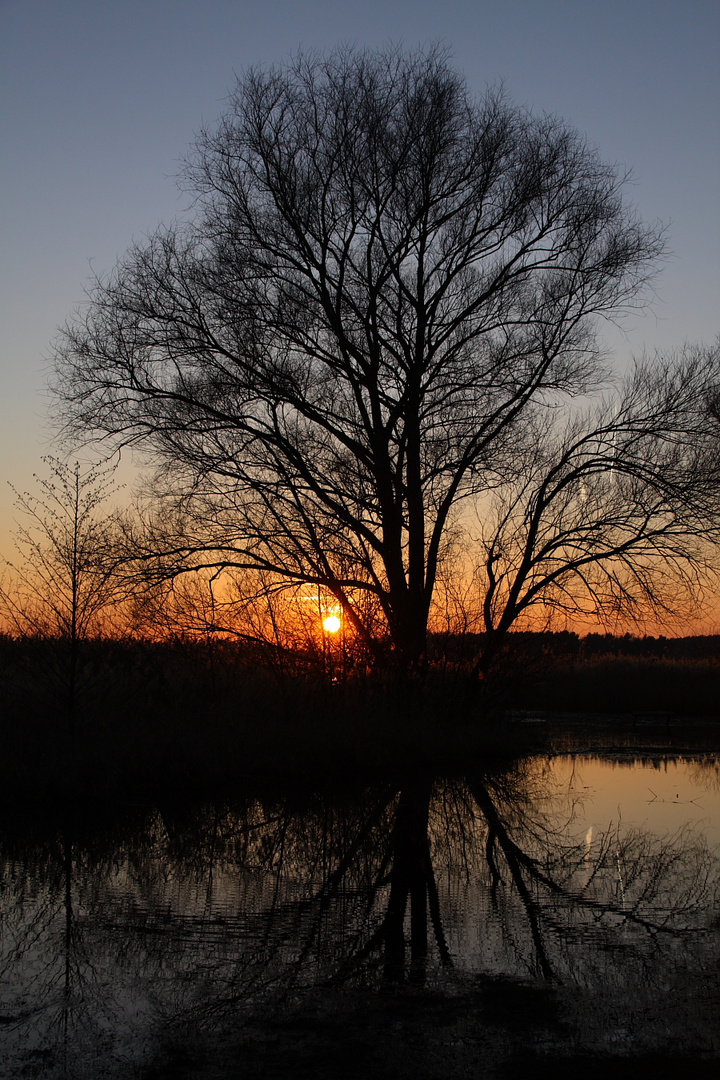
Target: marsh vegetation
[(186, 717)]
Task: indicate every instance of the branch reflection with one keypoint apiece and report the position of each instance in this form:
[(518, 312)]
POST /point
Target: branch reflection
[(181, 915)]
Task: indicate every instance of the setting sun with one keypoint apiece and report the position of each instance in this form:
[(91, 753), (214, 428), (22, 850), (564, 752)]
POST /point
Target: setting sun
[(332, 624)]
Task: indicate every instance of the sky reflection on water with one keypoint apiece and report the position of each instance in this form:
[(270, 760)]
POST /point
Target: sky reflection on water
[(596, 878)]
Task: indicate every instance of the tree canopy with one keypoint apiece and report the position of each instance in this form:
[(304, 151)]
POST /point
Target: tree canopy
[(374, 337)]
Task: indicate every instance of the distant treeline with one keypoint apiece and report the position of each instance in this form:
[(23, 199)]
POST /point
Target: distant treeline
[(566, 644), (626, 676), (454, 650)]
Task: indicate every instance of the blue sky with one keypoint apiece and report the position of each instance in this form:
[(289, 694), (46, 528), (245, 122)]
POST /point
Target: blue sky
[(101, 98)]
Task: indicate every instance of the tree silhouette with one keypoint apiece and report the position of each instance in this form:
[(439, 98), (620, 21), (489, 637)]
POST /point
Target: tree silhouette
[(66, 577), (377, 329)]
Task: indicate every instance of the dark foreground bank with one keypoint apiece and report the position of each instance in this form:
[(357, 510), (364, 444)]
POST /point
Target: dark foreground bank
[(183, 719)]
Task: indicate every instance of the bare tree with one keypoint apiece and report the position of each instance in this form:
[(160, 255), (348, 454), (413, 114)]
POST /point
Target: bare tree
[(376, 321), (613, 514), (66, 576)]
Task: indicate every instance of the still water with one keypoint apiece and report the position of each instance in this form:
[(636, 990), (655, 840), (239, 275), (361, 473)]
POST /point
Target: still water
[(566, 907)]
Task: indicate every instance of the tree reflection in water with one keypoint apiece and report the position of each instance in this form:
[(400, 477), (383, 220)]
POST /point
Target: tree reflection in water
[(203, 917)]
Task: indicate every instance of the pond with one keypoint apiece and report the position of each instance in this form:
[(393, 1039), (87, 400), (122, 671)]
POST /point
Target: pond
[(558, 913)]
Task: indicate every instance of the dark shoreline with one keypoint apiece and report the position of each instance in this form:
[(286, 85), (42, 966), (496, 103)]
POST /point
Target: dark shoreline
[(313, 759), (153, 720)]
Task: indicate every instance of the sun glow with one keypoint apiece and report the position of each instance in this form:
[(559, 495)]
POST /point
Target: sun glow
[(332, 624)]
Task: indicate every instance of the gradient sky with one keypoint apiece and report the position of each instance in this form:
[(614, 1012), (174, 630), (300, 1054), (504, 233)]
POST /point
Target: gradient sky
[(101, 98)]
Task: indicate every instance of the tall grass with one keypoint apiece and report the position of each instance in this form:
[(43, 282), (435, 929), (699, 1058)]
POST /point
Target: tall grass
[(189, 720), (177, 718)]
